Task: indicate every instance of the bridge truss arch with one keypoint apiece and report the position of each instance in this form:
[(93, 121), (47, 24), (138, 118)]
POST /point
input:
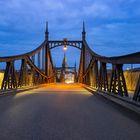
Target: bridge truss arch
[(72, 43), (92, 69)]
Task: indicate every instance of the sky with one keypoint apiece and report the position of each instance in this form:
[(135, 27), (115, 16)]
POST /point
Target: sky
[(112, 26)]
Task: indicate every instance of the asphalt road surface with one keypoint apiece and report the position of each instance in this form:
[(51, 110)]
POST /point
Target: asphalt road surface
[(65, 112)]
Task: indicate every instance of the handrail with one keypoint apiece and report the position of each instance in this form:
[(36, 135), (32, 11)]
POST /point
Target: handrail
[(22, 56), (133, 58)]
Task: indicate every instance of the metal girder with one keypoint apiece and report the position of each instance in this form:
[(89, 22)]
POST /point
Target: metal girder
[(87, 79), (31, 64), (9, 80), (23, 73), (91, 76), (43, 58), (57, 43), (117, 83), (81, 69), (39, 60), (38, 71), (96, 73), (33, 76), (22, 56), (89, 66), (103, 77), (46, 60), (49, 68), (124, 59)]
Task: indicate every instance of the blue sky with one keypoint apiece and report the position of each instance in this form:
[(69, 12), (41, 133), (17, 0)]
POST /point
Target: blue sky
[(113, 26)]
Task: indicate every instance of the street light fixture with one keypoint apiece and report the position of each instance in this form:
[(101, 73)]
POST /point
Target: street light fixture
[(65, 48), (65, 44)]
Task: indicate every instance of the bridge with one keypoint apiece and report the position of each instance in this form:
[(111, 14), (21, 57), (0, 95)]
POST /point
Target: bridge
[(67, 111)]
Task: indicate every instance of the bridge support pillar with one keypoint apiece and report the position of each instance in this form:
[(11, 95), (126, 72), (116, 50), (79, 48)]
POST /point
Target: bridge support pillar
[(43, 56), (47, 51), (96, 75), (91, 76), (23, 73), (103, 77), (39, 60), (80, 73), (87, 78), (117, 83), (47, 60), (83, 61), (9, 80), (82, 58), (33, 76)]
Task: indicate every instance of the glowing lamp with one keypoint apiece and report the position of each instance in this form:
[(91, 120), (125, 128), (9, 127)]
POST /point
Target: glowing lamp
[(65, 47), (65, 44)]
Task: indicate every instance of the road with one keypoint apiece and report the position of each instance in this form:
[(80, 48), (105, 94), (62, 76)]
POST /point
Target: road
[(65, 112)]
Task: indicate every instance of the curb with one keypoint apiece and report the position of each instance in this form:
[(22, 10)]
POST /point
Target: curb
[(131, 105)]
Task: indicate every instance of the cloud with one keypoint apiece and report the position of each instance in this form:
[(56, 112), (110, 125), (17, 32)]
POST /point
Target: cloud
[(96, 9), (25, 20), (23, 12)]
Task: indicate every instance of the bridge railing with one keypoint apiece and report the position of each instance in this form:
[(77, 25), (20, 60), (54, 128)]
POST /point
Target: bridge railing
[(112, 80), (31, 69)]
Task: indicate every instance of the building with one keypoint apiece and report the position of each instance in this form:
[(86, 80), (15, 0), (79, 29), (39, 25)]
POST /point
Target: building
[(66, 74)]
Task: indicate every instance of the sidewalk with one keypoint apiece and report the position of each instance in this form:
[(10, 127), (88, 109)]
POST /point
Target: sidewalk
[(123, 101)]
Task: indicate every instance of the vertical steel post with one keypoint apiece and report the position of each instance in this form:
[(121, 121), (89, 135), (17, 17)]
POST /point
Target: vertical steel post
[(39, 60), (47, 51), (43, 58), (83, 50)]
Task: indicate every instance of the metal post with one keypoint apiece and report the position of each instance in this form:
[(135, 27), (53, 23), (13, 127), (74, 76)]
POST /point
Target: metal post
[(38, 59), (47, 51), (43, 58), (47, 60)]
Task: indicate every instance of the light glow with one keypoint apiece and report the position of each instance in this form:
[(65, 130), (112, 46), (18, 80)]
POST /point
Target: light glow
[(69, 82), (65, 48)]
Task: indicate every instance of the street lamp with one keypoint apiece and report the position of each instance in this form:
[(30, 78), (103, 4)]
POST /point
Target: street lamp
[(65, 44), (65, 48)]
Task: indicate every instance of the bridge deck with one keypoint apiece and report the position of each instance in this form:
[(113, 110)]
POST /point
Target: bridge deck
[(64, 112)]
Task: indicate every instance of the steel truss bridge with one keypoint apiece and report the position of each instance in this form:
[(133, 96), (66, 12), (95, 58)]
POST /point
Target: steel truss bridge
[(92, 69)]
